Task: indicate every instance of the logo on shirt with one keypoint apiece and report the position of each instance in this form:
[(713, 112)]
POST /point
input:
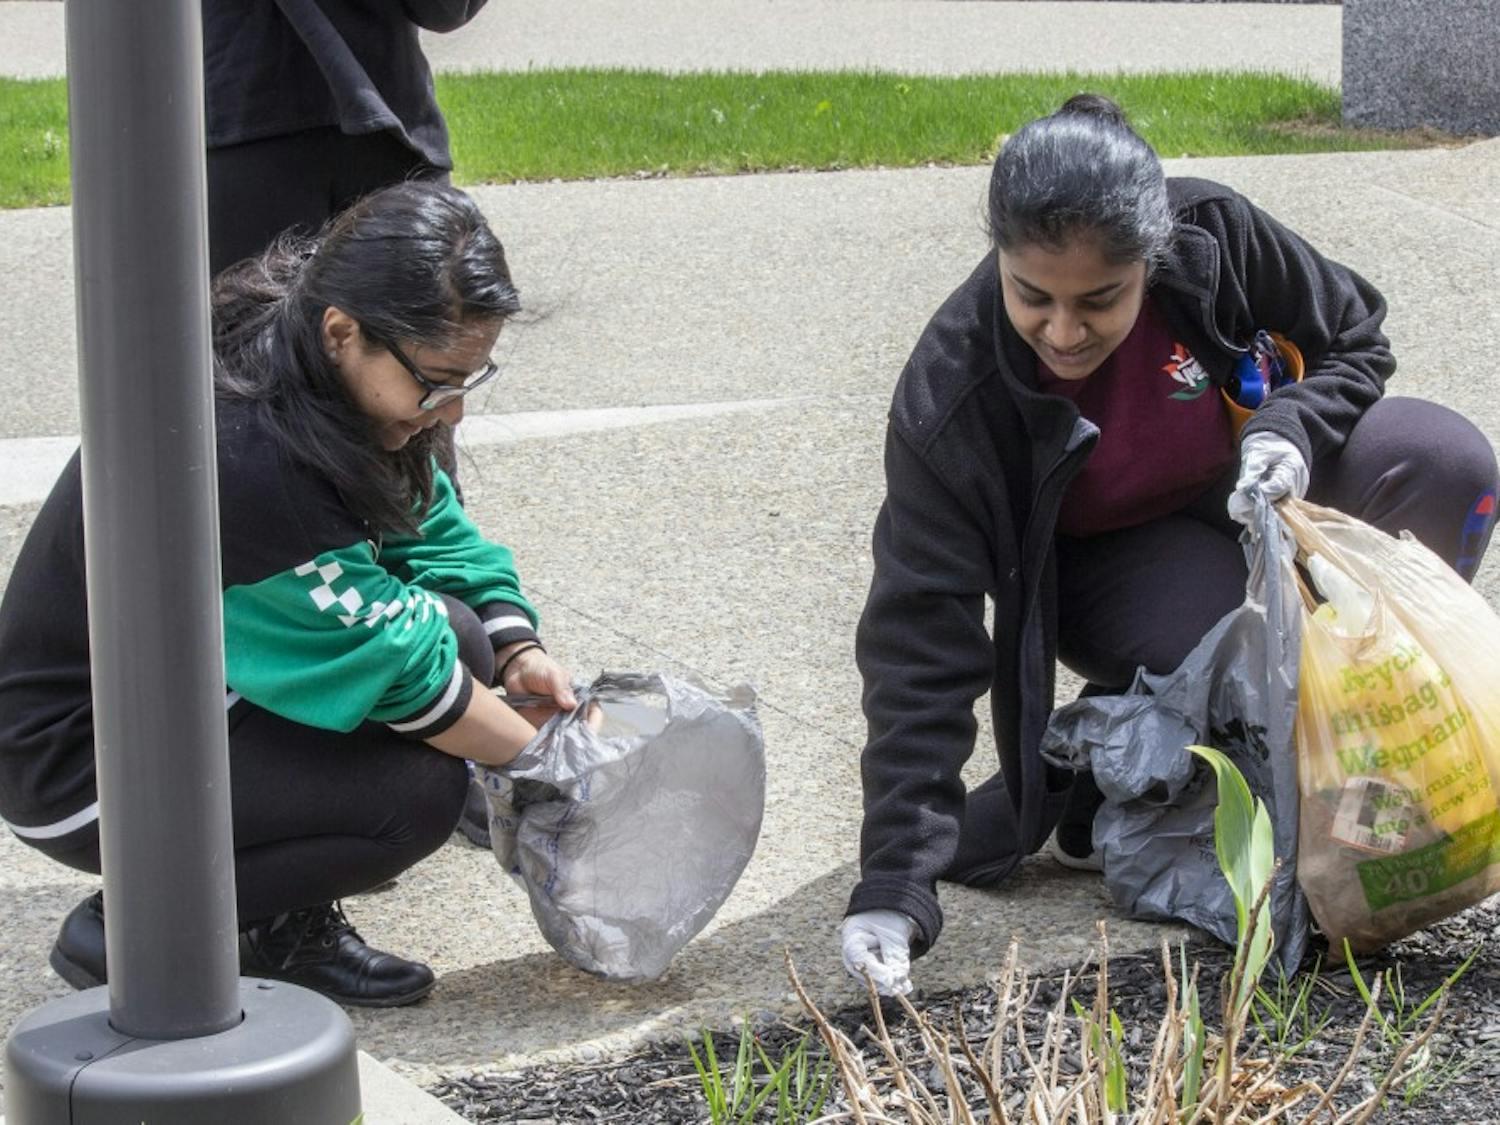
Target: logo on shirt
[(1188, 371), (419, 607)]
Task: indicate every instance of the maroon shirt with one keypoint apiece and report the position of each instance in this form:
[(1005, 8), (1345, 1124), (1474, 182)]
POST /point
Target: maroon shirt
[(1164, 433)]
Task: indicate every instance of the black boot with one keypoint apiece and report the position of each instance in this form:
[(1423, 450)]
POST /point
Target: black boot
[(319, 949), (78, 954), (475, 821)]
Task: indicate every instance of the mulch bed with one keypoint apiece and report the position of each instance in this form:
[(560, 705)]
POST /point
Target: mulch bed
[(659, 1084)]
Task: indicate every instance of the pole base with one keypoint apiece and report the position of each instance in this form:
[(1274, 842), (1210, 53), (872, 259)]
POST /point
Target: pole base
[(292, 1059)]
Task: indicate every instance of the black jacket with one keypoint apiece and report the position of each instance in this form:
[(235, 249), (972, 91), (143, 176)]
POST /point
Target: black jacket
[(272, 67), (976, 464)]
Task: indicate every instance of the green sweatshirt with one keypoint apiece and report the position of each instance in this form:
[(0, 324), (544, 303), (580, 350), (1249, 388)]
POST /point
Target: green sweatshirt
[(325, 623), (341, 628)]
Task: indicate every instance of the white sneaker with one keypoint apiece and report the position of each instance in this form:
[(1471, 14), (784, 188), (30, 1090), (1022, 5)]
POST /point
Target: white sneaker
[(1091, 862)]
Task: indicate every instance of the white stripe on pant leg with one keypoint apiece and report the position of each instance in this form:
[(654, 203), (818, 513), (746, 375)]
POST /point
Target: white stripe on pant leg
[(60, 828), (83, 816)]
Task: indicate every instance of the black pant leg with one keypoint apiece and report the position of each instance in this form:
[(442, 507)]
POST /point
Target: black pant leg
[(320, 814), (1144, 595), (370, 161), (260, 188), (474, 647), (1411, 465)]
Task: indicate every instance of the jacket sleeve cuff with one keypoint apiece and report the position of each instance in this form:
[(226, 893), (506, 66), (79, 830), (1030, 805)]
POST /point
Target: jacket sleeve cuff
[(442, 711), (917, 902), (1286, 429), (506, 623)]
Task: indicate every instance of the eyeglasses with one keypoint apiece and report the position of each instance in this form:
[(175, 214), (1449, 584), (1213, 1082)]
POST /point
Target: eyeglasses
[(440, 393)]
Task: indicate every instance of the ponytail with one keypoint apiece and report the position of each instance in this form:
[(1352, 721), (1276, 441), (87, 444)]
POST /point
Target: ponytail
[(1081, 171)]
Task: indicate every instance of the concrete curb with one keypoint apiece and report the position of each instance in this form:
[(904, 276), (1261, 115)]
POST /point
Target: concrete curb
[(390, 1099)]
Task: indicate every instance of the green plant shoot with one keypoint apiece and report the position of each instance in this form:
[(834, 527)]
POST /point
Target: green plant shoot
[(1247, 856), (1194, 1041), (799, 1089)]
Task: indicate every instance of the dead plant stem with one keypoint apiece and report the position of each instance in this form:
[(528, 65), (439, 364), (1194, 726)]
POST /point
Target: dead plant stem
[(829, 1036)]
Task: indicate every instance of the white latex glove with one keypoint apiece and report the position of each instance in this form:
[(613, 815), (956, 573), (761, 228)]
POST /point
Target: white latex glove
[(879, 942), (1276, 465)]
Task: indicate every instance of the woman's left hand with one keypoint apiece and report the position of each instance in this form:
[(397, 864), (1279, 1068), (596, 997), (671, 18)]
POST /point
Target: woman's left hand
[(533, 672), (1272, 464)]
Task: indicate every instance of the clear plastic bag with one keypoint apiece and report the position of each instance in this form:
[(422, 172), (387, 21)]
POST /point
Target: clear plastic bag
[(1398, 729), (628, 839)]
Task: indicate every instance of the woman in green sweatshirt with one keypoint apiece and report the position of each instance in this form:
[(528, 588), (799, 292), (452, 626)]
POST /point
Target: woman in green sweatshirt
[(365, 617)]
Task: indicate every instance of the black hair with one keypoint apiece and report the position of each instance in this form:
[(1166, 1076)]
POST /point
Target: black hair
[(1081, 171), (412, 263)]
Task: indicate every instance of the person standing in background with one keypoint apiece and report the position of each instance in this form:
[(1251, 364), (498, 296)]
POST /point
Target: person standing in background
[(312, 104)]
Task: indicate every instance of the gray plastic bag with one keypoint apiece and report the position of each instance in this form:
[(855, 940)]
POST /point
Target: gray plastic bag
[(629, 839), (1236, 691)]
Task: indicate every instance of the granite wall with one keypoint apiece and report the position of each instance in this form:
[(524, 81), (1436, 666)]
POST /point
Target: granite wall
[(1423, 62)]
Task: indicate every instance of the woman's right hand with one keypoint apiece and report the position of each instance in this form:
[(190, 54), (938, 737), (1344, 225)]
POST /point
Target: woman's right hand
[(530, 671), (878, 942)]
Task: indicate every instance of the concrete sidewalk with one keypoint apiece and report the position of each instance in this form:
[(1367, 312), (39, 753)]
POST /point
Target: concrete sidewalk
[(912, 36), (731, 539)]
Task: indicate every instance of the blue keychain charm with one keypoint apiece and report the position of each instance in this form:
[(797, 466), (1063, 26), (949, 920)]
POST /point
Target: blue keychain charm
[(1258, 372)]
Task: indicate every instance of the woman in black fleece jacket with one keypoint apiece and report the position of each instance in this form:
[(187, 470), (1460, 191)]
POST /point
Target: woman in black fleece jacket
[(1059, 444)]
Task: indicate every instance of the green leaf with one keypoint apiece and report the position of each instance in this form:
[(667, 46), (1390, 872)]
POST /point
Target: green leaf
[(1193, 1041), (1114, 1088), (709, 1078), (1245, 846), (1115, 1096), (1448, 982), (742, 1085), (1364, 993)]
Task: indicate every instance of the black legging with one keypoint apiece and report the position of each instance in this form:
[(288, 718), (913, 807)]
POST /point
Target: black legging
[(318, 814), (260, 188)]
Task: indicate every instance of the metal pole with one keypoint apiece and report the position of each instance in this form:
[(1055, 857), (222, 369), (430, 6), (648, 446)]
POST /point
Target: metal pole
[(140, 231), (179, 1039)]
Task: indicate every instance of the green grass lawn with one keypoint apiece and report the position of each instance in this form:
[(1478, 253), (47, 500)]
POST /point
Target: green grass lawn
[(578, 124)]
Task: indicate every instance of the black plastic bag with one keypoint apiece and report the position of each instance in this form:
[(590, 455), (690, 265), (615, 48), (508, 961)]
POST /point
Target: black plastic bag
[(1236, 691)]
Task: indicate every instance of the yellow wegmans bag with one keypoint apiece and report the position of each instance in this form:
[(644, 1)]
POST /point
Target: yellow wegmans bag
[(1398, 733)]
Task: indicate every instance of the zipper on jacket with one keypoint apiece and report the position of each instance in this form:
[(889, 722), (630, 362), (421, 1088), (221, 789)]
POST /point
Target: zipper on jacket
[(1028, 806), (1083, 432), (1206, 302)]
